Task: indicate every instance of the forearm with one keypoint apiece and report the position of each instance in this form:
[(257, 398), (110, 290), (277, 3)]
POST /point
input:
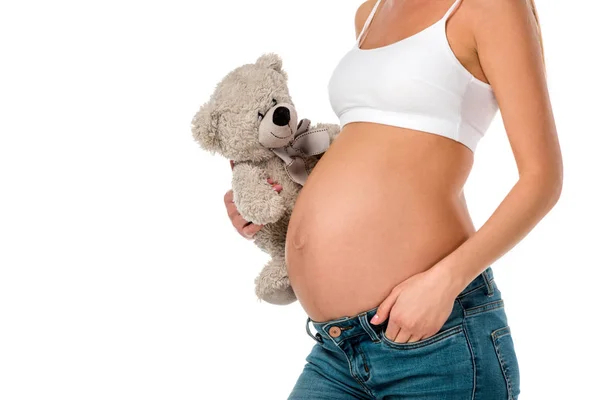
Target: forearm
[(529, 200)]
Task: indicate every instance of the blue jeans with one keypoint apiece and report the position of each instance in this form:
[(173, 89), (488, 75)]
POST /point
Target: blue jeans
[(472, 356)]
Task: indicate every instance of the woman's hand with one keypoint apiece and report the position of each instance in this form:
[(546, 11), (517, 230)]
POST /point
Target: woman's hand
[(418, 307), (245, 228)]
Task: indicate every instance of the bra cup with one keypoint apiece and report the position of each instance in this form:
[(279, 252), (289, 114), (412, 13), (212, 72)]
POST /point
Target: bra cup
[(416, 83)]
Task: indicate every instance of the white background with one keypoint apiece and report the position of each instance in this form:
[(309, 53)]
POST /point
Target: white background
[(120, 274)]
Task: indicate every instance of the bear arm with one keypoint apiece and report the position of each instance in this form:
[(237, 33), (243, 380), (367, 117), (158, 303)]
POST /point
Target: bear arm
[(254, 197)]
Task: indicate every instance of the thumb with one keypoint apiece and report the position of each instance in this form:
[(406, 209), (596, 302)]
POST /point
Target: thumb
[(383, 311)]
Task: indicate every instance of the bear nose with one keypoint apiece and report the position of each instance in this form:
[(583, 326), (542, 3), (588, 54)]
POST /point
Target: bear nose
[(281, 116)]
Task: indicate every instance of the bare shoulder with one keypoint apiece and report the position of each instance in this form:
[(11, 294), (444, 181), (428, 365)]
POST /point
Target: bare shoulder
[(362, 13), (508, 45), (511, 11)]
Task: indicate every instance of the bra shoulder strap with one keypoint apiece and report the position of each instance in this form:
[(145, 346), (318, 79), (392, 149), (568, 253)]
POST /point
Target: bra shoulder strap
[(451, 9), (368, 21)]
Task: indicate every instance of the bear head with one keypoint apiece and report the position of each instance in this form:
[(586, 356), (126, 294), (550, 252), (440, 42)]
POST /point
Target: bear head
[(249, 113)]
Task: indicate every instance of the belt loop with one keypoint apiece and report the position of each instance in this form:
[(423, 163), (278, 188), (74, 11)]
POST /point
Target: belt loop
[(488, 281), (362, 318), (318, 338)]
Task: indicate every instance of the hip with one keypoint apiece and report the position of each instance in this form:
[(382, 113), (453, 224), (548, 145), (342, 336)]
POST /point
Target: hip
[(472, 356)]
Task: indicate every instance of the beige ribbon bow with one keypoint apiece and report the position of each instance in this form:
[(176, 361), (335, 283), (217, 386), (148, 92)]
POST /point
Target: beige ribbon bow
[(306, 143)]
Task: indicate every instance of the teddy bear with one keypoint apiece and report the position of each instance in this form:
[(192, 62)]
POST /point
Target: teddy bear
[(251, 119)]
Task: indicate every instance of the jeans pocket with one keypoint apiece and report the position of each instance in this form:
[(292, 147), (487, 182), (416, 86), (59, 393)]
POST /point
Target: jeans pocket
[(443, 335), (505, 351)]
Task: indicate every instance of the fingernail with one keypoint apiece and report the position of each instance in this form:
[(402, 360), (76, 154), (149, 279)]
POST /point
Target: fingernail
[(375, 319)]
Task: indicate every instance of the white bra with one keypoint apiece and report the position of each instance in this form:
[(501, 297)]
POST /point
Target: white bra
[(416, 83)]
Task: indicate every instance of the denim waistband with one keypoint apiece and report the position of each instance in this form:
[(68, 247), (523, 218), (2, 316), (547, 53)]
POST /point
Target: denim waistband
[(346, 326)]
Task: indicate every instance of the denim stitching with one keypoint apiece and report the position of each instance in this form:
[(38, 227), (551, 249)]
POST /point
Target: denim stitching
[(307, 328), (471, 291), (455, 330), (504, 334), (364, 359), (346, 338), (474, 289), (495, 336), (491, 306), (466, 330), (318, 370), (318, 339), (357, 379), (488, 283), (370, 331), (360, 382), (327, 324), (498, 333)]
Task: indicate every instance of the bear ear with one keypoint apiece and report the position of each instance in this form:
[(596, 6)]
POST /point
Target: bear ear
[(205, 128), (270, 60)]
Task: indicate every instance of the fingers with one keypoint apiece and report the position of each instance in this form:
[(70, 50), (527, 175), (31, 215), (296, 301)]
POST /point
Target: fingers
[(243, 227), (238, 222), (403, 333), (232, 210), (383, 311), (277, 187), (250, 230), (395, 331), (228, 198), (414, 338), (403, 336), (407, 337)]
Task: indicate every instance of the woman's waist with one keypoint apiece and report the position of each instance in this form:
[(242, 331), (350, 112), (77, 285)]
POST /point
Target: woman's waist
[(378, 213), (356, 270), (375, 210), (390, 163), (350, 262), (354, 193), (388, 237)]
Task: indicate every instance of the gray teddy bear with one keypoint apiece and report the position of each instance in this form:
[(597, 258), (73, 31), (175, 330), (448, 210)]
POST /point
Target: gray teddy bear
[(251, 119)]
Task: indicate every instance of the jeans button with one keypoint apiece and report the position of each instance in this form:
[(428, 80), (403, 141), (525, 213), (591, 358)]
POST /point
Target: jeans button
[(335, 331)]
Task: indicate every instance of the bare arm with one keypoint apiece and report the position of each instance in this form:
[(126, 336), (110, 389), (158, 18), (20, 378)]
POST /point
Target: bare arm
[(510, 54)]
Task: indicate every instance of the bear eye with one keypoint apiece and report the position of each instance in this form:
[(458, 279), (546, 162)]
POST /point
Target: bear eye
[(261, 115)]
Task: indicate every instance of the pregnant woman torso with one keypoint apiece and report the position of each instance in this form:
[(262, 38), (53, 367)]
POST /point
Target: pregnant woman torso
[(384, 202)]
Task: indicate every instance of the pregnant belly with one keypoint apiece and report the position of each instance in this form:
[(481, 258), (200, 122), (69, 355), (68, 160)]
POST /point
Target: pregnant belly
[(372, 214)]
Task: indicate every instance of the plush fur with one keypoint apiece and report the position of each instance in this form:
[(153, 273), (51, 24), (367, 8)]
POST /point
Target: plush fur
[(229, 124)]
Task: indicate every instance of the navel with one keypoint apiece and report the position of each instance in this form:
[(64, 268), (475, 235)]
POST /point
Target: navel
[(299, 240)]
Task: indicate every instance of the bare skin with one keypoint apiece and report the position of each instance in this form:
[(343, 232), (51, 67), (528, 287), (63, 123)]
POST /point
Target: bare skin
[(360, 228), (382, 219), (245, 228)]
